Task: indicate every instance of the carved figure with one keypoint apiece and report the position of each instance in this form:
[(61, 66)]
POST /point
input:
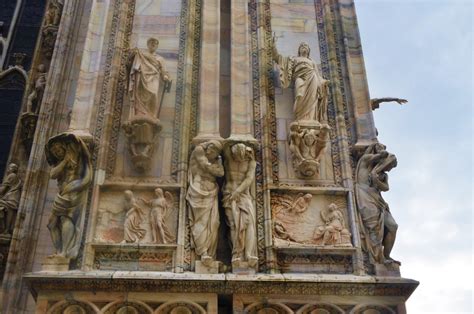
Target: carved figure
[(378, 225), (333, 232), (36, 93), (307, 142), (147, 78), (238, 202), (54, 12), (301, 203), (10, 192), (160, 208), (205, 165), (147, 73), (132, 228), (311, 89), (70, 159)]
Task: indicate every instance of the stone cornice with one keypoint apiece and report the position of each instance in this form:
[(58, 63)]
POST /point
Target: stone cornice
[(259, 284)]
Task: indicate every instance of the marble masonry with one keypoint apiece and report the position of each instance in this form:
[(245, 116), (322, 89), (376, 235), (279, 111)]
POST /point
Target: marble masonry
[(199, 156)]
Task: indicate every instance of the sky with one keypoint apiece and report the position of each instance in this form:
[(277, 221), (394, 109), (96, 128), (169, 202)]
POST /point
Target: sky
[(422, 50)]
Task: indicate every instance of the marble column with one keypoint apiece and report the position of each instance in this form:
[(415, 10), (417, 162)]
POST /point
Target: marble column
[(87, 86), (210, 72), (241, 106)]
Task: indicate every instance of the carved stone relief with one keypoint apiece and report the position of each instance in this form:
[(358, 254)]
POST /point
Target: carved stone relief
[(334, 231), (148, 81), (307, 219), (10, 192), (72, 168), (132, 217), (378, 229)]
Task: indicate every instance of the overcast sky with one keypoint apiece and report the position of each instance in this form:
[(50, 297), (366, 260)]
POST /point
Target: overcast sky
[(422, 51)]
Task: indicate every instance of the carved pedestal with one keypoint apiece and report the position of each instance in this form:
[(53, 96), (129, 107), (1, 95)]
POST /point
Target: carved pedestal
[(307, 141), (55, 263), (142, 133)]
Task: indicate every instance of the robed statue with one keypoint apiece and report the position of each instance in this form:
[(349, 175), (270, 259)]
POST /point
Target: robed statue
[(205, 165), (310, 88), (147, 84), (147, 77)]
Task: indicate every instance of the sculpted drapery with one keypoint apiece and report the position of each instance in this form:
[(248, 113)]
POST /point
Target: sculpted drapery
[(72, 168), (146, 79), (378, 225), (202, 196), (310, 88)]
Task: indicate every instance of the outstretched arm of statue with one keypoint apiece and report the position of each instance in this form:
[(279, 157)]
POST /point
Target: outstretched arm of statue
[(375, 102)]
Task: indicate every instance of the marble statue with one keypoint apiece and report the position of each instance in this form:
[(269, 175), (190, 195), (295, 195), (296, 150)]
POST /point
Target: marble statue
[(147, 74), (333, 232), (54, 12), (148, 81), (378, 225), (134, 217), (238, 202), (160, 209), (10, 192), (307, 143), (311, 89), (205, 165), (72, 168), (36, 93)]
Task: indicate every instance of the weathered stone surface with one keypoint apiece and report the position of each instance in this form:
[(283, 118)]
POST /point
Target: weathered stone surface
[(240, 187)]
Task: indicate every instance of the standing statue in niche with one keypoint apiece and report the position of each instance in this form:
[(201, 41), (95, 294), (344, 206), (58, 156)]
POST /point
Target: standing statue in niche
[(333, 232), (148, 82), (134, 216), (72, 168), (311, 89), (239, 204), (205, 165), (378, 228), (36, 94), (309, 132), (10, 192), (160, 208)]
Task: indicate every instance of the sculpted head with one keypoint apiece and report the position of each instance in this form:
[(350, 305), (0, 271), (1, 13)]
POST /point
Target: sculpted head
[(12, 168), (213, 148), (128, 195), (308, 197), (238, 151), (58, 150), (41, 68), (309, 138), (304, 50), (159, 192), (152, 44), (332, 207)]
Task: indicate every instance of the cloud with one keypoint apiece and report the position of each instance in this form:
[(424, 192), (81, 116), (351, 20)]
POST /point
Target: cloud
[(422, 51)]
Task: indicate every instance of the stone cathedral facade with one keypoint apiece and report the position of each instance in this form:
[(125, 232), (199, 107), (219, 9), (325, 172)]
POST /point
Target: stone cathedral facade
[(197, 156)]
